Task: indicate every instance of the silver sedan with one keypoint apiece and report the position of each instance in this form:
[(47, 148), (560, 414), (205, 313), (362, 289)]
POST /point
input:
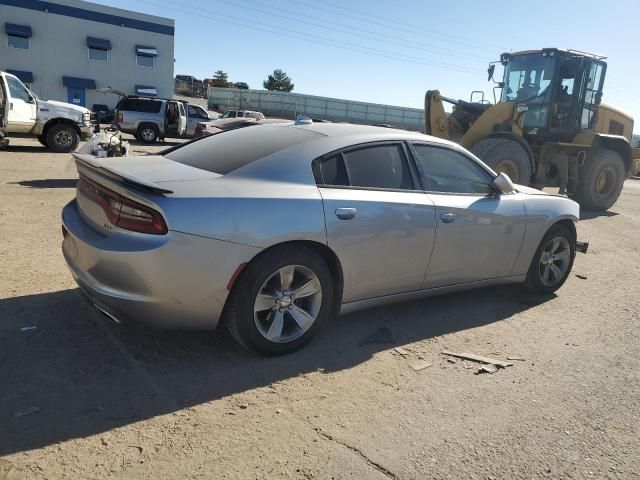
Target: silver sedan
[(271, 230)]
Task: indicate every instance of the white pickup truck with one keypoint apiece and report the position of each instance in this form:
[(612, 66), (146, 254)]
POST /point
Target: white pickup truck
[(57, 125)]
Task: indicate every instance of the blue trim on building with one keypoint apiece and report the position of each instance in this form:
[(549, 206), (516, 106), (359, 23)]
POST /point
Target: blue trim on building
[(25, 77), (17, 30), (100, 43), (50, 7), (75, 82)]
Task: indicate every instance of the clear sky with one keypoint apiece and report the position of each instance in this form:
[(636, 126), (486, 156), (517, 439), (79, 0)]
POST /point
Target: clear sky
[(391, 52)]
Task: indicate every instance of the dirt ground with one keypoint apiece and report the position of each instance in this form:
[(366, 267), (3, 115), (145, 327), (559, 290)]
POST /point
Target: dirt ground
[(81, 397)]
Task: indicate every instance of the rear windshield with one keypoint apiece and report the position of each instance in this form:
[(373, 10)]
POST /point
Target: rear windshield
[(140, 105), (227, 151)]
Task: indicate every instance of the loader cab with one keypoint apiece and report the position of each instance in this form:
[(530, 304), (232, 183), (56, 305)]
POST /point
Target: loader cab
[(557, 91)]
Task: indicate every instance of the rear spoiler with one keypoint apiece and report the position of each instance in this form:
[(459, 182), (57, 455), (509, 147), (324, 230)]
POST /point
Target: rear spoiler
[(98, 165)]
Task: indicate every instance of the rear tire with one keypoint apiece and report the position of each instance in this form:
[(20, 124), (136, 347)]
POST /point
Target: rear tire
[(256, 302), (62, 138), (147, 133), (505, 156), (552, 263), (601, 180)]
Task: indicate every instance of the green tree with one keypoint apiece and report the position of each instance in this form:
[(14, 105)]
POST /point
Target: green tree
[(279, 81), (220, 79)]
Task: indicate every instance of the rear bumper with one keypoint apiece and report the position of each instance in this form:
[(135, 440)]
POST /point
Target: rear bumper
[(166, 281)]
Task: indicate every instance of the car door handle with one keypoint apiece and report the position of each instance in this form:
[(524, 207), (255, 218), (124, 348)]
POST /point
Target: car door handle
[(346, 213), (10, 105), (448, 217)]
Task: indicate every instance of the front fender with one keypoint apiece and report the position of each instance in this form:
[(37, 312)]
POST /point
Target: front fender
[(543, 211)]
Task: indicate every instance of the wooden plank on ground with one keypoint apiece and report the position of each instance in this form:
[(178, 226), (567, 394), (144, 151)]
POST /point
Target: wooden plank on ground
[(477, 358)]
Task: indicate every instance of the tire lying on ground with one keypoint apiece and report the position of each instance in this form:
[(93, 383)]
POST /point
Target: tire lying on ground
[(601, 180), (280, 300), (62, 138), (505, 155)]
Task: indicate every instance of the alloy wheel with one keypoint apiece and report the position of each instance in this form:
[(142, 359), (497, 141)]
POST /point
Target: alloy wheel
[(287, 303), (554, 261)]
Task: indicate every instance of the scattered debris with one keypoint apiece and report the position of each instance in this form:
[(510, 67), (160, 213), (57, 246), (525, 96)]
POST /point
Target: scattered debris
[(477, 358), (466, 364), (519, 359), (421, 365), (279, 410), (26, 411), (244, 406), (401, 351), (488, 368), (28, 329), (581, 277), (451, 360)]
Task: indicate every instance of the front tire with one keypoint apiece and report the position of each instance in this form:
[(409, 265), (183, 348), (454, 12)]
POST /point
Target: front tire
[(552, 263), (505, 156), (280, 300), (62, 138), (43, 140), (601, 180)]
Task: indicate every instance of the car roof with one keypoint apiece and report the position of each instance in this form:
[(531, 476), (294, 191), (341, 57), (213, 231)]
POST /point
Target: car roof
[(351, 129)]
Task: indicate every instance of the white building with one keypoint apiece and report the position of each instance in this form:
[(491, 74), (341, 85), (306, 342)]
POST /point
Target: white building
[(65, 49)]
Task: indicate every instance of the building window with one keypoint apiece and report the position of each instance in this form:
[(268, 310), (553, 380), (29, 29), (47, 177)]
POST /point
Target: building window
[(144, 61), (98, 54), (145, 55), (17, 41)]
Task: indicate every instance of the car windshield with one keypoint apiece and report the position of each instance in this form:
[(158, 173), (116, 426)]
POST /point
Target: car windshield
[(228, 151)]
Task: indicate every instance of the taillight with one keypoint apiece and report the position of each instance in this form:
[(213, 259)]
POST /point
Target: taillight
[(120, 117), (122, 211)]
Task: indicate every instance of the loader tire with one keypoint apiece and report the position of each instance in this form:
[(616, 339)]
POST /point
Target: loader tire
[(601, 180), (505, 156)]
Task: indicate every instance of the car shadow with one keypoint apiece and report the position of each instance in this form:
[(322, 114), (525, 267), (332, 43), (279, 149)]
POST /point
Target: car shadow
[(48, 183), (67, 372)]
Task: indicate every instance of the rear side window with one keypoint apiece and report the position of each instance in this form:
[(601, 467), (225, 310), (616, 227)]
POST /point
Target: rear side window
[(140, 105), (227, 151), (451, 172), (378, 166)]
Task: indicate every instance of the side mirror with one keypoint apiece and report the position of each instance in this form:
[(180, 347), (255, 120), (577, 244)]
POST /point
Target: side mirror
[(503, 183), (490, 70), (31, 99)]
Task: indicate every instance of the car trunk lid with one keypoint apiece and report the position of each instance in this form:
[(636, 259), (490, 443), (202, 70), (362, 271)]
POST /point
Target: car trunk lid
[(109, 189)]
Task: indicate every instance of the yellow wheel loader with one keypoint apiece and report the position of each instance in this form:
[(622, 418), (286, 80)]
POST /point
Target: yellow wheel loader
[(548, 128)]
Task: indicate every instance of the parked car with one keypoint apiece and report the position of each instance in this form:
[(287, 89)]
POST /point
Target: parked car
[(153, 118), (243, 113), (271, 230), (58, 126), (102, 113), (241, 85)]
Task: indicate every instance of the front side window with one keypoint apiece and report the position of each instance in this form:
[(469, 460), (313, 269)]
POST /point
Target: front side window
[(197, 112), (17, 90), (98, 54), (144, 61), (17, 41), (379, 166), (448, 171)]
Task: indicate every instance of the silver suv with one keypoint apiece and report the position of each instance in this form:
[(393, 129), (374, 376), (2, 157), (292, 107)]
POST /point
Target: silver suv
[(153, 118)]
